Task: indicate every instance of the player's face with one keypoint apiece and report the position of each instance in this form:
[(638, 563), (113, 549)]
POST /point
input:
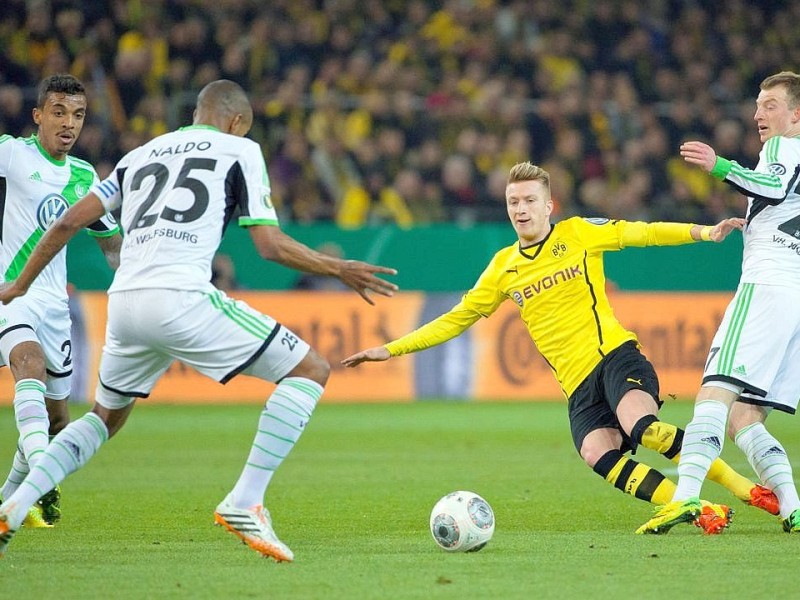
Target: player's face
[(60, 121), (774, 115), (529, 207)]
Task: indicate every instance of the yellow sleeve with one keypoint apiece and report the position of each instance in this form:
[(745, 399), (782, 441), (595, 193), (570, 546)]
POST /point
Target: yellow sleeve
[(481, 301), (443, 328), (637, 233)]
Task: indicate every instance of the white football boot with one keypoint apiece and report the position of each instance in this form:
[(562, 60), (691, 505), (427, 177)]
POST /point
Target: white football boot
[(254, 527)]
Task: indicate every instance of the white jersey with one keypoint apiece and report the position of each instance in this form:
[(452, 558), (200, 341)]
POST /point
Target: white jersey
[(35, 190), (178, 192), (772, 234)]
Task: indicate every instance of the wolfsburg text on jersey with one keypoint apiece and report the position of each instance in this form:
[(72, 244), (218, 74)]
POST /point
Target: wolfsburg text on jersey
[(180, 236)]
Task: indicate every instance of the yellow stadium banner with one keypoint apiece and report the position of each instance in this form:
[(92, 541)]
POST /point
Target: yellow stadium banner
[(494, 360)]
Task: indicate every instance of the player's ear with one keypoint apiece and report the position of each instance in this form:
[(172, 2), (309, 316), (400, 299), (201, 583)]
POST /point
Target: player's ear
[(37, 116), (239, 125), (233, 126)]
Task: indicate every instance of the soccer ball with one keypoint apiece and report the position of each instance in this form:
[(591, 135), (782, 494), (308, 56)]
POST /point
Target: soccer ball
[(462, 522)]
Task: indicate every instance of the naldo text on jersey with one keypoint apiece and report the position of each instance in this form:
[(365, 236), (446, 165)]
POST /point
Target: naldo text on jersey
[(179, 149)]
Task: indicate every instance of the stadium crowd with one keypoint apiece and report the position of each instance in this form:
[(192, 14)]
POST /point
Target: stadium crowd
[(412, 112)]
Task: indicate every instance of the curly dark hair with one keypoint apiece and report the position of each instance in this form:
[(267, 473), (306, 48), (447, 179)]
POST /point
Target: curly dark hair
[(62, 83)]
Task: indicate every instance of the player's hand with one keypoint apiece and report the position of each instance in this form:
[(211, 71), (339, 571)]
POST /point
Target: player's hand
[(700, 154), (378, 353), (361, 277), (9, 291), (724, 227)]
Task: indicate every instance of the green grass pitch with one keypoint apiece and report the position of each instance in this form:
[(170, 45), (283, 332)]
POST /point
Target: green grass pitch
[(353, 502)]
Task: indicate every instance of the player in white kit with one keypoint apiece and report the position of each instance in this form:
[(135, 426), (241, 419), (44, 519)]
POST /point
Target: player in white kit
[(39, 181), (752, 365), (177, 193)]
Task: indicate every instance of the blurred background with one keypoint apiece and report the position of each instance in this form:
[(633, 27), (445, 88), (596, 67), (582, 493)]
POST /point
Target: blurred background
[(388, 128), (411, 112)]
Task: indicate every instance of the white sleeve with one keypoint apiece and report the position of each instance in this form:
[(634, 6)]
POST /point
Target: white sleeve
[(106, 225), (6, 150), (110, 189), (253, 192), (776, 174)]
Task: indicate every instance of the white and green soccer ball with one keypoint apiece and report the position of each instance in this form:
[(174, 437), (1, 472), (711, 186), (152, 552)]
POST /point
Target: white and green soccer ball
[(462, 522)]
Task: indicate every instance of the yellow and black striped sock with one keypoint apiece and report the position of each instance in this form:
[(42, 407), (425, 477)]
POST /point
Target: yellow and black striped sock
[(634, 478), (667, 439), (656, 435)]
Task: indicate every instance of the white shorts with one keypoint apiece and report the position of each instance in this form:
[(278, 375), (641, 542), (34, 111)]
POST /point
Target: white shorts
[(220, 337), (757, 346), (36, 318)]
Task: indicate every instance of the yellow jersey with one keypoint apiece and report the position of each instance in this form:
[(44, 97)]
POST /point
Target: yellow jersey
[(558, 286)]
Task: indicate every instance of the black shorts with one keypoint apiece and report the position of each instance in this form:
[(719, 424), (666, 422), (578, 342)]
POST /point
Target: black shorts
[(594, 404)]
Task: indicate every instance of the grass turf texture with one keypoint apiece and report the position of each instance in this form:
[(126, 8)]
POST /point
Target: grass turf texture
[(353, 502)]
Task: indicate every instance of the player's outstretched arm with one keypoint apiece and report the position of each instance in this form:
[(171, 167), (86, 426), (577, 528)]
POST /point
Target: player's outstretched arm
[(441, 329), (376, 354), (272, 244), (637, 233), (85, 211)]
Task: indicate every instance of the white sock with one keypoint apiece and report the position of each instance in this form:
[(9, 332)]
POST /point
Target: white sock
[(68, 452), (282, 421), (769, 461), (702, 445), (19, 470), (33, 423)]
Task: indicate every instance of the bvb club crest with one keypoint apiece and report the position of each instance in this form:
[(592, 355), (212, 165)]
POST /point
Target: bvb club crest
[(559, 249)]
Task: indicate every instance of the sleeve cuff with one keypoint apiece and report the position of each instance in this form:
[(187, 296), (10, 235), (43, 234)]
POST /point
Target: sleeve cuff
[(721, 168), (103, 234), (249, 222), (392, 348)]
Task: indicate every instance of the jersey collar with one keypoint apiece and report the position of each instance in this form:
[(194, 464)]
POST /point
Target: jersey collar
[(46, 154), (532, 251), (200, 126)]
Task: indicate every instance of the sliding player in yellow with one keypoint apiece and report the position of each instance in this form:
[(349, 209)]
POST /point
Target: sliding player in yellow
[(554, 273)]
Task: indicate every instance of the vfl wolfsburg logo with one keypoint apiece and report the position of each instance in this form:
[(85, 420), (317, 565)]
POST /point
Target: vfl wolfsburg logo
[(50, 209), (776, 169)]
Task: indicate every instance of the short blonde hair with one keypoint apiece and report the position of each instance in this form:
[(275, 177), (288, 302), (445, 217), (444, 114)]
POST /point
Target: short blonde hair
[(792, 82), (527, 171)]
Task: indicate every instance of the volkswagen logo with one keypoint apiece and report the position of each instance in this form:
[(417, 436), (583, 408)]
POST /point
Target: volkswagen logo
[(50, 209)]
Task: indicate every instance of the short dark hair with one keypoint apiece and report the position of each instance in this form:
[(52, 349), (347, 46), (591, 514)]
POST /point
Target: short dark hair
[(62, 83)]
